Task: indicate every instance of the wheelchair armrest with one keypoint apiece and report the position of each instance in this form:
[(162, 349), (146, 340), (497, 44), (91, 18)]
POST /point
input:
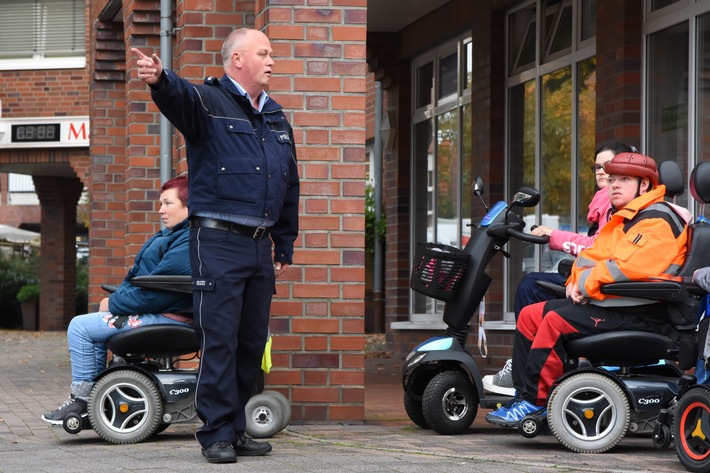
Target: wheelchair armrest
[(165, 282), (667, 291), (556, 289), (564, 267), (110, 288)]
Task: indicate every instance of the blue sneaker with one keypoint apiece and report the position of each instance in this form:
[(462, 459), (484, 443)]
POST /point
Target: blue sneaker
[(510, 415)]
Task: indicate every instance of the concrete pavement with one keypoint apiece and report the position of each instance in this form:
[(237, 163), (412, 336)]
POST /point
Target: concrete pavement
[(34, 377)]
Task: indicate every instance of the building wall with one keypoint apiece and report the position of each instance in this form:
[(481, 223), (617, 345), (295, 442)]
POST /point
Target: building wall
[(320, 78)]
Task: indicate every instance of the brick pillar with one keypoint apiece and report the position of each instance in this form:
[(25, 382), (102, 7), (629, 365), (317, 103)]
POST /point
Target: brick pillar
[(58, 197), (619, 59), (318, 313)]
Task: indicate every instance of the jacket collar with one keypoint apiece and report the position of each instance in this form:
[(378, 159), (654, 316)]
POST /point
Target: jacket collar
[(641, 202)]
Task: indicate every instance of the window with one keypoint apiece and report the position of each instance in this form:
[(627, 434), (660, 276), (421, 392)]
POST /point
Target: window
[(677, 97), (441, 153), (42, 34), (550, 123)]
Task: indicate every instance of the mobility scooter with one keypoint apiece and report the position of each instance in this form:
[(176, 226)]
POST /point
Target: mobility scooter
[(142, 392), (442, 384)]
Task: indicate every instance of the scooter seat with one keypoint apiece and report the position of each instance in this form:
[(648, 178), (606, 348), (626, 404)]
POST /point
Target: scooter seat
[(155, 341), (623, 348)]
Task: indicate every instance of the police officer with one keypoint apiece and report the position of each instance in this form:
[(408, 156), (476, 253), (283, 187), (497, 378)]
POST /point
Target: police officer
[(244, 191)]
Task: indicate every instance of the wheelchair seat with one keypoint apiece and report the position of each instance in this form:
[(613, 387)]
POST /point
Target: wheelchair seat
[(155, 341), (622, 348)]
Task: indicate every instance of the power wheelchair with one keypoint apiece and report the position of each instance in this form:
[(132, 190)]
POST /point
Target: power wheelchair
[(621, 382), (142, 391)]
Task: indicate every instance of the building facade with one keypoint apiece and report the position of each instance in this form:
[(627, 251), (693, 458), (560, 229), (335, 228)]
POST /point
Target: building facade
[(516, 92)]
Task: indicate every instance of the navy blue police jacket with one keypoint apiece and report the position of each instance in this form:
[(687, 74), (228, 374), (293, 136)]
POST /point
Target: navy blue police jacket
[(167, 252), (241, 161)]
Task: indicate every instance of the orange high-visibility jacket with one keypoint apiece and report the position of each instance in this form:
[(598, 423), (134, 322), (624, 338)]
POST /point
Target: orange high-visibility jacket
[(644, 239)]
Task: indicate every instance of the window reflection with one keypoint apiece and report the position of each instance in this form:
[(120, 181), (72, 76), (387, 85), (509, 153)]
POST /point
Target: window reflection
[(703, 92), (425, 84), (586, 105), (555, 157), (521, 173), (668, 97), (448, 75), (447, 178), (423, 196)]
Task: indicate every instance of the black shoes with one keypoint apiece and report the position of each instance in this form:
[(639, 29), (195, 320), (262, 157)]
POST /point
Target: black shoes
[(220, 452), (246, 447), (71, 406), (224, 452)]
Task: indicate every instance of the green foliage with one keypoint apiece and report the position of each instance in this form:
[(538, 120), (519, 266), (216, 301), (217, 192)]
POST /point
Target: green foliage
[(15, 272), (82, 285), (28, 292), (373, 228)]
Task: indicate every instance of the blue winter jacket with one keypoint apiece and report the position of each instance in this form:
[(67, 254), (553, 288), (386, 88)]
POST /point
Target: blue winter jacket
[(167, 252), (241, 161)]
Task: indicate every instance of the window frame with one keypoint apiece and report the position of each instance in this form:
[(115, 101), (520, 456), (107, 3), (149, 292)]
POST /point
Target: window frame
[(40, 61)]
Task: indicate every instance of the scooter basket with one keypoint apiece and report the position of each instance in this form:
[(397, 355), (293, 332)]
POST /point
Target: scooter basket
[(437, 270)]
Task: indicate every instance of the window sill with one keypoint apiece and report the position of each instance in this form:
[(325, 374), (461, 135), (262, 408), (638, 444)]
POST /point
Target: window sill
[(496, 325)]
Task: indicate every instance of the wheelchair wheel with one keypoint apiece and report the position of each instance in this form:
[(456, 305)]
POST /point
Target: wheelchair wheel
[(285, 407), (264, 416), (691, 427), (588, 413), (125, 407), (449, 403)]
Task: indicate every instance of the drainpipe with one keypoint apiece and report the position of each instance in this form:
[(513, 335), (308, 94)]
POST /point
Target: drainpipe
[(166, 55), (379, 316)]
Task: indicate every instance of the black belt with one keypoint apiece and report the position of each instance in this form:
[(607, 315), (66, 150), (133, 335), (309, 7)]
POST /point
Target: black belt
[(206, 222)]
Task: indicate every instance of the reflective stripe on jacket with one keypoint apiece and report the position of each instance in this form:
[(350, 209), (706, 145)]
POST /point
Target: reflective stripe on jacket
[(644, 239)]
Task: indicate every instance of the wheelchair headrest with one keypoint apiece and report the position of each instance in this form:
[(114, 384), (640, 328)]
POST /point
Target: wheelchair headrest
[(700, 182), (670, 175)]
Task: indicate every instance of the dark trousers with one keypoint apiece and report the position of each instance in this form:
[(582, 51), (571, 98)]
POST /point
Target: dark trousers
[(538, 352), (528, 292), (233, 282)]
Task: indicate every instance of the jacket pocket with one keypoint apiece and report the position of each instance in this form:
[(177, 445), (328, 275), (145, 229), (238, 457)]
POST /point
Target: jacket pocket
[(633, 241), (240, 179)]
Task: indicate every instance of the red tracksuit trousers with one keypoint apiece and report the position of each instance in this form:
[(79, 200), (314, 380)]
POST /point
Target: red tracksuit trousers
[(538, 349)]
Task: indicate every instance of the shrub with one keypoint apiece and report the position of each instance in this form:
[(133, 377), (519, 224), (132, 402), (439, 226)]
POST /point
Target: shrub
[(28, 292)]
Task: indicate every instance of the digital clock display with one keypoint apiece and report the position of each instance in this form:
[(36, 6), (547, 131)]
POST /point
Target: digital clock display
[(33, 133)]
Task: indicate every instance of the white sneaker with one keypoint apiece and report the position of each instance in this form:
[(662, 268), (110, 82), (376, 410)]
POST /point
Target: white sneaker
[(501, 382)]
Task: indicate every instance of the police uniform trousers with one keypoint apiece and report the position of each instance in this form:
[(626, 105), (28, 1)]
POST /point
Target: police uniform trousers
[(233, 282), (538, 351)]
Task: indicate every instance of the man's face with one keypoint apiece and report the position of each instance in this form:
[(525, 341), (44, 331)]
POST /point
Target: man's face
[(623, 189), (254, 63)]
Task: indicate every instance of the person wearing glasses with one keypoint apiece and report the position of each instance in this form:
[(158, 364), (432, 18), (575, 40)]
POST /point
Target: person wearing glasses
[(528, 291)]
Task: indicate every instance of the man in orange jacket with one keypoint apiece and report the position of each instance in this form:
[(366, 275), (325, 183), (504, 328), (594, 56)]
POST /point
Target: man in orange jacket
[(644, 238)]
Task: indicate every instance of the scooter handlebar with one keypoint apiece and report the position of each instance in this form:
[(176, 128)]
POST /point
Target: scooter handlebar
[(539, 240)]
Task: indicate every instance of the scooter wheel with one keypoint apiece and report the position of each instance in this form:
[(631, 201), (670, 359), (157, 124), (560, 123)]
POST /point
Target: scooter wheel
[(530, 426), (450, 403), (263, 415), (73, 423), (285, 407), (662, 436)]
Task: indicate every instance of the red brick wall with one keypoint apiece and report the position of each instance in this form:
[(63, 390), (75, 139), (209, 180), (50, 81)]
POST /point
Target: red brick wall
[(619, 50), (318, 317)]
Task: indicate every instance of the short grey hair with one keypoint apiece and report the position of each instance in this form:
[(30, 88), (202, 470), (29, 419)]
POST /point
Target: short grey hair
[(232, 42)]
